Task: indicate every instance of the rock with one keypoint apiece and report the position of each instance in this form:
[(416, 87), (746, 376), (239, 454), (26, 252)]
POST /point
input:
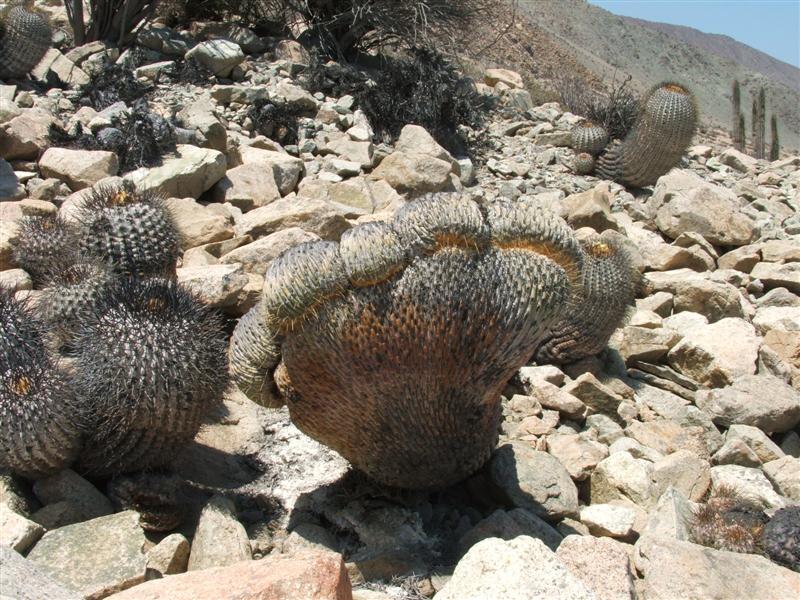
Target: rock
[(189, 173), (10, 186), (607, 430), (784, 473), (247, 187), (532, 377), (312, 576), (17, 532), (602, 564), (646, 344), (519, 569), (95, 558), (214, 285), (786, 344), (736, 452), (293, 52), (708, 573), (199, 115), (219, 540), (622, 476), (85, 501), (706, 355), (533, 480), (21, 579), (286, 169), (748, 482), (218, 56), (781, 318), (591, 209), (714, 299), (757, 440), (774, 275), (671, 517), (27, 135), (510, 78), (15, 280), (257, 256), (169, 557), (308, 536), (361, 153), (683, 471), (359, 195), (414, 173), (742, 259), (667, 436), (507, 525), (579, 455), (608, 520), (198, 224), (319, 217), (597, 397), (683, 201), (738, 160), (415, 139), (296, 97), (762, 401), (79, 169)]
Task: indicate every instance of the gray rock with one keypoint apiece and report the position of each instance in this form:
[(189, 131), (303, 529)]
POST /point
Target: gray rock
[(83, 500), (169, 557), (533, 480), (683, 471), (17, 532), (322, 218), (286, 169), (296, 97), (602, 564), (414, 172), (257, 256), (519, 569), (553, 398), (79, 169), (218, 56), (621, 476), (608, 430), (21, 579), (740, 161), (599, 398), (671, 517), (784, 473), (608, 520), (736, 452), (189, 173), (507, 525), (579, 455), (25, 136), (713, 299), (309, 536), (646, 344), (10, 186), (216, 285), (773, 275), (199, 224), (95, 558), (247, 187), (199, 115), (780, 318), (748, 482), (416, 139), (764, 448), (219, 539)]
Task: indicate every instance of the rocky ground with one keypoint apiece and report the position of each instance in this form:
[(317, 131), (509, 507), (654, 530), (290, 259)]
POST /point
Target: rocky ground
[(592, 489)]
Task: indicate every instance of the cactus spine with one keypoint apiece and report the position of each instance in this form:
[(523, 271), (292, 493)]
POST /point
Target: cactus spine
[(775, 147), (25, 38)]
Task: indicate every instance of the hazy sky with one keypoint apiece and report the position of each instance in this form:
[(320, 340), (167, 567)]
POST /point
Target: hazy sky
[(772, 26)]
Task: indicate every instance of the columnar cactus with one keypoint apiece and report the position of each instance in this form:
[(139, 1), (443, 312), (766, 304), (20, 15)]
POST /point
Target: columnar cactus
[(150, 361), (132, 231), (396, 343), (657, 141), (606, 294), (39, 434), (46, 244), (588, 137), (25, 37)]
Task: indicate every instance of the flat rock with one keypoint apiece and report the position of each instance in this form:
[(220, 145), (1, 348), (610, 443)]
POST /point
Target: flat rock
[(671, 516), (95, 558), (186, 174), (748, 482), (774, 275), (784, 474), (257, 256), (215, 285), (219, 540), (579, 455), (414, 172), (533, 480), (599, 398), (602, 564), (646, 344), (744, 163), (312, 576), (414, 138), (22, 579), (199, 224), (79, 169), (319, 217), (519, 569), (608, 520), (17, 532), (507, 525), (510, 78), (713, 299)]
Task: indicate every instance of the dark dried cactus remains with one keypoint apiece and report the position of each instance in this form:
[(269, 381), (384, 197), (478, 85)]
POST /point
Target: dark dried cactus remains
[(45, 244), (150, 361), (38, 432), (157, 497), (729, 521), (392, 346), (781, 537), (25, 37)]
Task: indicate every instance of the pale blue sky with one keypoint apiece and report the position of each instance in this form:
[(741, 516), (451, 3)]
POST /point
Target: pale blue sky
[(772, 26)]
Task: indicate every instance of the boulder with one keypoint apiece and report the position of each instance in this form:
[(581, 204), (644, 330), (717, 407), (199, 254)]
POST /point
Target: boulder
[(79, 169), (26, 136), (219, 540), (215, 285), (322, 218), (218, 56), (199, 224), (414, 172), (257, 256), (21, 579), (602, 564)]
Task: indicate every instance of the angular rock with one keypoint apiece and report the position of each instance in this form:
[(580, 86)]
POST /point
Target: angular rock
[(219, 540), (416, 139), (683, 471), (736, 452), (296, 97), (714, 299), (414, 173), (579, 455), (257, 256), (85, 500), (189, 173), (608, 520), (15, 280), (602, 564), (199, 115), (773, 275), (21, 579), (199, 224), (247, 187), (17, 532), (671, 516), (757, 440), (319, 217), (748, 482), (215, 285), (169, 557), (507, 525), (27, 135), (599, 398), (646, 344), (79, 169), (10, 186), (622, 476), (510, 78), (218, 56), (667, 436), (740, 161), (286, 169), (784, 473)]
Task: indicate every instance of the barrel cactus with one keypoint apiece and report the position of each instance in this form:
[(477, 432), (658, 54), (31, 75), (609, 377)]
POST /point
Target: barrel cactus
[(392, 346), (25, 38), (584, 163), (39, 433), (133, 231), (781, 537), (150, 361), (46, 244), (659, 138), (589, 137)]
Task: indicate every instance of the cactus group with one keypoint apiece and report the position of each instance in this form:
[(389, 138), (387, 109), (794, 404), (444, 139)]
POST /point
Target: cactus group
[(25, 37)]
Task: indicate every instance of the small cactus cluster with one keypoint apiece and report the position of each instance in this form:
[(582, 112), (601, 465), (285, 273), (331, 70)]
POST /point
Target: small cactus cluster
[(660, 136), (729, 521), (393, 346), (25, 37), (146, 358)]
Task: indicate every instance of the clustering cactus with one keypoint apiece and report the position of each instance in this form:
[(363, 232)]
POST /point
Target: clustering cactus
[(781, 537), (46, 244), (657, 141), (606, 294), (584, 163), (132, 231), (150, 360), (395, 343), (38, 430), (728, 521), (590, 138), (25, 38)]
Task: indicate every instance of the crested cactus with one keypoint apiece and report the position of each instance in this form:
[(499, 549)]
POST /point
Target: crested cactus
[(588, 137), (38, 432), (132, 231), (396, 342), (657, 141), (150, 361), (25, 38), (606, 294), (728, 521), (584, 163), (781, 537), (46, 244)]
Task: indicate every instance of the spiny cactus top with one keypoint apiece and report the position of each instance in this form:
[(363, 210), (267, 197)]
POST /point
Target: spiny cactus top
[(396, 343), (588, 137), (607, 291), (25, 37), (150, 361), (46, 244), (657, 141), (132, 231), (584, 163), (38, 431)]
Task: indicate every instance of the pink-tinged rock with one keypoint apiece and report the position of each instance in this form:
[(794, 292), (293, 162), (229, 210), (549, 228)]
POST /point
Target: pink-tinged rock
[(307, 576)]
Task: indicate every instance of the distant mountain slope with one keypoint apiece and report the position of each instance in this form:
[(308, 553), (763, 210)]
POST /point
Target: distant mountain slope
[(728, 48)]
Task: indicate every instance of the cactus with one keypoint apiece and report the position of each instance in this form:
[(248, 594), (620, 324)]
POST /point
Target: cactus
[(608, 287), (737, 131), (728, 521), (150, 361), (762, 121), (38, 431), (743, 133), (781, 537), (588, 137), (25, 38), (657, 141), (584, 163), (775, 146), (396, 342), (46, 244), (132, 231)]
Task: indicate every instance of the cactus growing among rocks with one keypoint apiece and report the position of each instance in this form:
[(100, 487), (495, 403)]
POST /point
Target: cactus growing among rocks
[(657, 141), (150, 361), (25, 38), (781, 537), (584, 163), (38, 432), (588, 137), (396, 342), (46, 244), (728, 521)]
